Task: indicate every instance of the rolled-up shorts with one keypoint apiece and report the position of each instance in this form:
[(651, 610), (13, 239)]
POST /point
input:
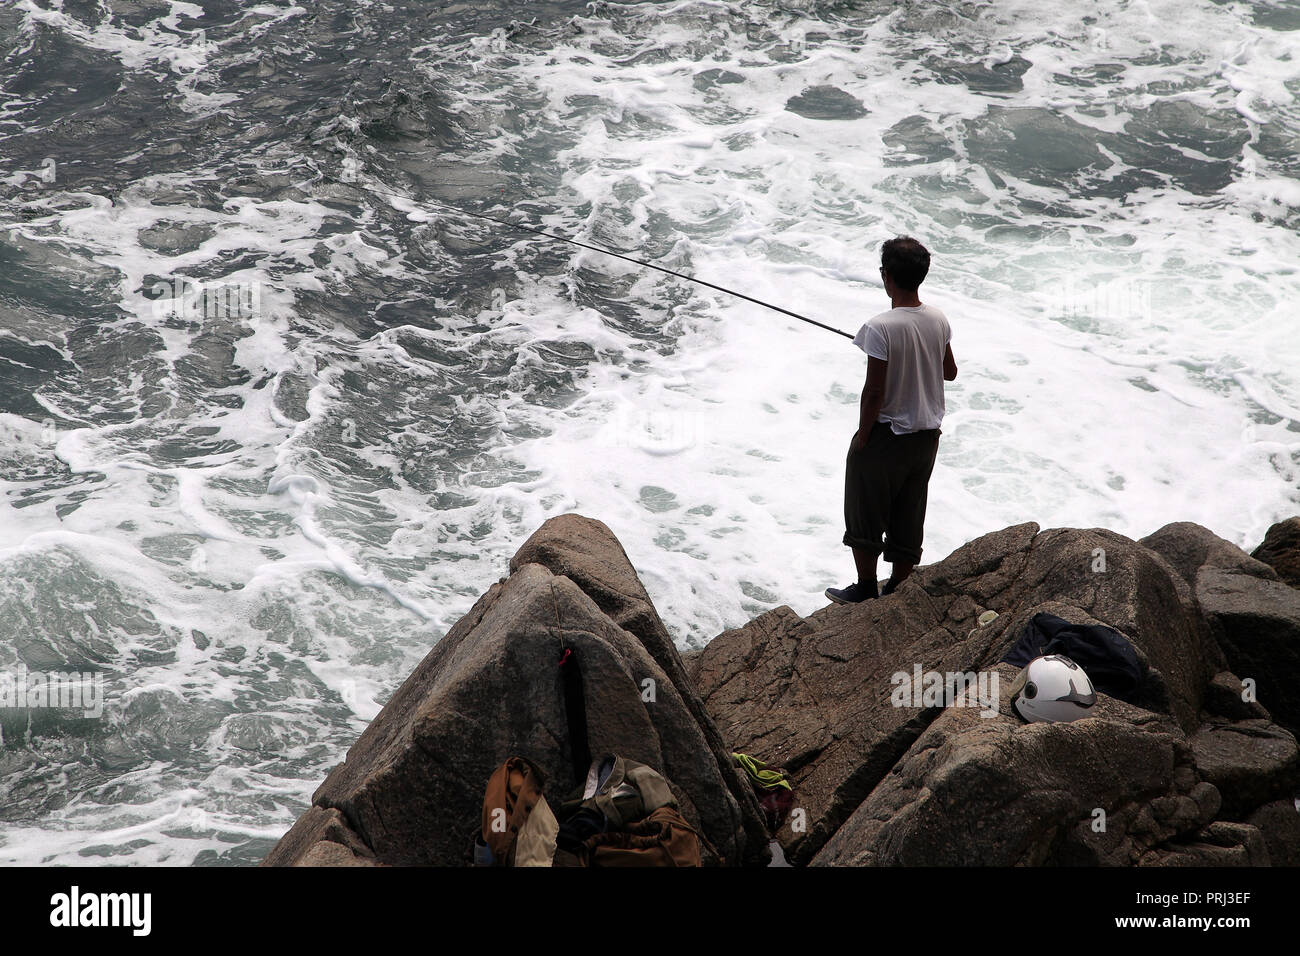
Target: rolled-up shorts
[(885, 490)]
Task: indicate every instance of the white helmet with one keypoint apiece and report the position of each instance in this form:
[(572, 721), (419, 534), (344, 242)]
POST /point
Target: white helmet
[(1052, 688)]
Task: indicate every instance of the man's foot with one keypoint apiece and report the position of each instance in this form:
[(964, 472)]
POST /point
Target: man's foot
[(853, 594), (890, 587)]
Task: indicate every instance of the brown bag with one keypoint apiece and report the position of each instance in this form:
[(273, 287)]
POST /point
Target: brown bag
[(514, 793), (664, 838)]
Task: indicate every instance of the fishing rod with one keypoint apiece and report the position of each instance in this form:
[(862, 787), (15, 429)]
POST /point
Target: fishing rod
[(510, 224)]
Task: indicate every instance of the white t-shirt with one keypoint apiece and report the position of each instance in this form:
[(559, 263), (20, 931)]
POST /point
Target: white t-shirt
[(913, 340)]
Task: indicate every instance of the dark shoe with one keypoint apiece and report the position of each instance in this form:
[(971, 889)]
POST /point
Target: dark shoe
[(853, 594), (890, 587)]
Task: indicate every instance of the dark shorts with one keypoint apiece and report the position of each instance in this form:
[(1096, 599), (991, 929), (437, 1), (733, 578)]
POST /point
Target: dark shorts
[(885, 490)]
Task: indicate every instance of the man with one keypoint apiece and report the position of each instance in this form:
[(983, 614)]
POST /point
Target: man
[(887, 474)]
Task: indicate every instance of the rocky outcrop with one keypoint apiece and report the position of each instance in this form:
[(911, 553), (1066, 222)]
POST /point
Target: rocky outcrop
[(814, 694), (587, 553), (1198, 768), (1252, 615), (1279, 822), (1220, 844), (321, 837), (1280, 550), (1226, 696), (1251, 762), (1189, 547), (1257, 623), (974, 790), (327, 853), (411, 788)]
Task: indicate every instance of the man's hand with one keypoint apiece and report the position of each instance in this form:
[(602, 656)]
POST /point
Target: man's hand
[(859, 442), (873, 397)]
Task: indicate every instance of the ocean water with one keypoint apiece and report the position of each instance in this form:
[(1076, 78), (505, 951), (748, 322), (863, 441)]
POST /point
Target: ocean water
[(273, 417)]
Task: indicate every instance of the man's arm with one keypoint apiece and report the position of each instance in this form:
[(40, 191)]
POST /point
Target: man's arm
[(873, 396), (949, 364)]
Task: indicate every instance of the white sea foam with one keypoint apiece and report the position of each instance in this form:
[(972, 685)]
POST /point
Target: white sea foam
[(1107, 372), (1127, 351)]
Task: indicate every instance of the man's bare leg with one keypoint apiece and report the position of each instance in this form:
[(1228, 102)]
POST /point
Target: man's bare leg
[(898, 574), (866, 562)]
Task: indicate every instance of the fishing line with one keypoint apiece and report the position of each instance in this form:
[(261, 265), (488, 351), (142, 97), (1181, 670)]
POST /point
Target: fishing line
[(510, 224)]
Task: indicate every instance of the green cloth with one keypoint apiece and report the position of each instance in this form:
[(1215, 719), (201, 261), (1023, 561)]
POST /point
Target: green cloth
[(760, 774)]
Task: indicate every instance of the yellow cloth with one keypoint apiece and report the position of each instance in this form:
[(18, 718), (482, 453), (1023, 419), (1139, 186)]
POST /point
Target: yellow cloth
[(758, 772)]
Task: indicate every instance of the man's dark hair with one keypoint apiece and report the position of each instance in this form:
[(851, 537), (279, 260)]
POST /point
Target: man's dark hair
[(906, 261)]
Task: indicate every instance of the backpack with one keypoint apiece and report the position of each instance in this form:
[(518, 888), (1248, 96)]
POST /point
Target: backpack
[(625, 815), (1108, 659), (664, 839), (621, 790)]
